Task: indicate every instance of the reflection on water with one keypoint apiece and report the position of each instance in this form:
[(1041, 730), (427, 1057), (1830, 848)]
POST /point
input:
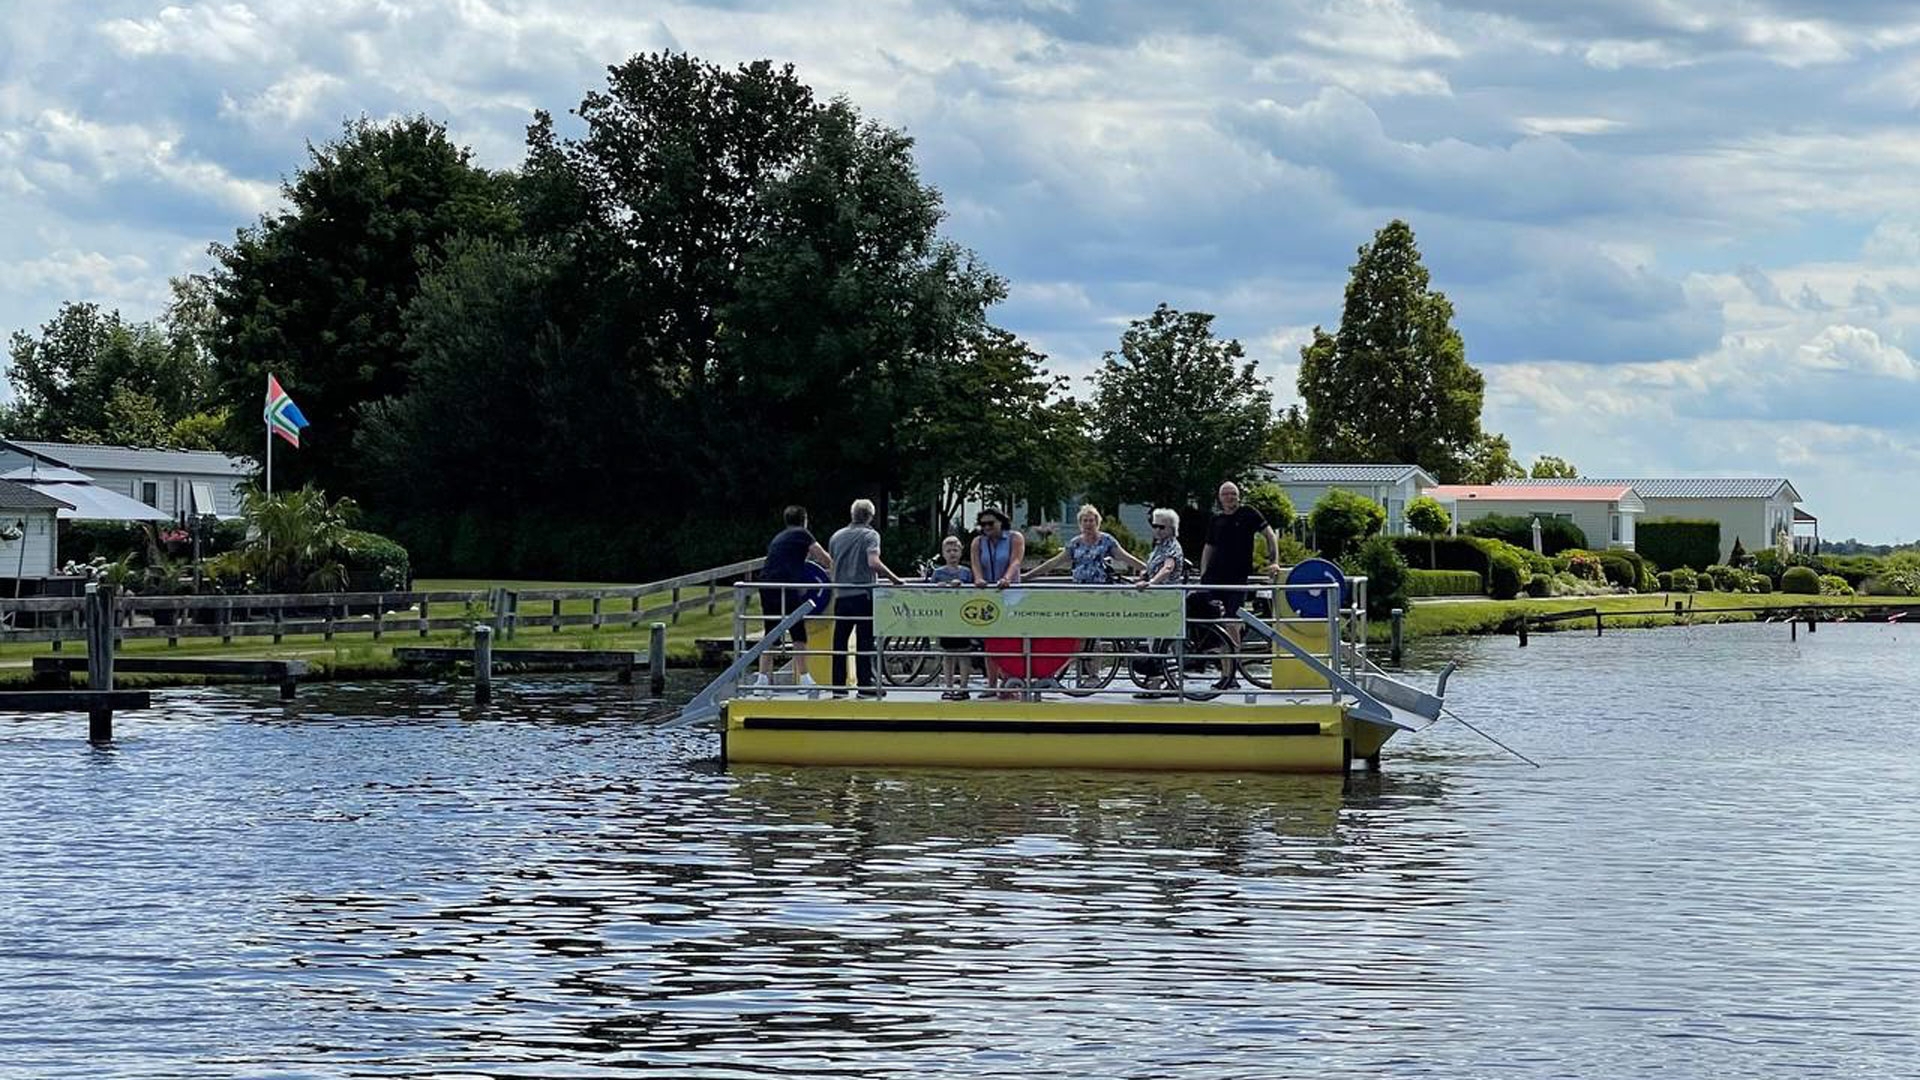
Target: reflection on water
[(1714, 875)]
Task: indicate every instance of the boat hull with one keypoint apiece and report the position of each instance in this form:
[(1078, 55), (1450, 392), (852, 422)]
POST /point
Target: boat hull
[(1284, 737)]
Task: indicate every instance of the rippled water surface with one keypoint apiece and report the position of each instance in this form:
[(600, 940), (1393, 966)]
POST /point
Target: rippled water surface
[(1716, 873)]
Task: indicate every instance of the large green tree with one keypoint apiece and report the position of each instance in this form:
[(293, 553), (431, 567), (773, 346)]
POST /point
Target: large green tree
[(1549, 467), (316, 293), (91, 376), (1177, 411), (727, 296), (1489, 461), (1393, 383)]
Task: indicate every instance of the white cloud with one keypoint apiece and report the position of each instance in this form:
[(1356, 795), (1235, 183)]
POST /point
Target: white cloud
[(289, 100), (217, 33), (1568, 125), (1857, 349)]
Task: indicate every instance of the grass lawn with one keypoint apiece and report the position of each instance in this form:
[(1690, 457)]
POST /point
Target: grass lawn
[(1501, 616)]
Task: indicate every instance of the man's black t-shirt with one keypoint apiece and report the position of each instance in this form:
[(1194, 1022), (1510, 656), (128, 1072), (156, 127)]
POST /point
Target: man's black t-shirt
[(1231, 536), (787, 555)]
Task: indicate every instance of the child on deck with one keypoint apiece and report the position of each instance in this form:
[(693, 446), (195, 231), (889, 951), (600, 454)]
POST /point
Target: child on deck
[(952, 571)]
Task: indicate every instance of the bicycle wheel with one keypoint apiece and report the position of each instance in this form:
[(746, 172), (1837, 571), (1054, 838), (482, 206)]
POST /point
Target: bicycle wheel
[(1094, 669), (1208, 666), (908, 661), (1255, 662)]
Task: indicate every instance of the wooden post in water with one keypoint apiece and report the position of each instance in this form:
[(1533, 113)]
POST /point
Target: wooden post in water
[(556, 616), (1596, 622), (99, 616), (1523, 631), (497, 601), (482, 664), (423, 616), (1399, 632), (657, 657), (1793, 628)]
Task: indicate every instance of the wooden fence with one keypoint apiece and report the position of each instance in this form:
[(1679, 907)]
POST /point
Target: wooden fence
[(378, 614)]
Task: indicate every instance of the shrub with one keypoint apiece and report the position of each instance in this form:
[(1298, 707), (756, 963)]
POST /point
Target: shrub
[(1674, 543), (1767, 561), (1272, 502), (84, 541), (1445, 553), (1507, 574), (1800, 580), (1738, 557), (1125, 538), (1342, 519), (1759, 583), (1540, 586), (1682, 579), (1292, 552), (1582, 564), (1665, 580), (1386, 573), (1556, 534), (1565, 584), (1834, 585), (1902, 582), (1536, 562), (1044, 542), (1444, 583), (382, 561), (1724, 578)]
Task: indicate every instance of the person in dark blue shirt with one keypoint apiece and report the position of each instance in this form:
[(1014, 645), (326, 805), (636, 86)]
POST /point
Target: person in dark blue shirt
[(787, 557)]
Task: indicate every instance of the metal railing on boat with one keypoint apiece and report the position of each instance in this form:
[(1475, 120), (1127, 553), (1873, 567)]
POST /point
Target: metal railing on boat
[(1174, 641)]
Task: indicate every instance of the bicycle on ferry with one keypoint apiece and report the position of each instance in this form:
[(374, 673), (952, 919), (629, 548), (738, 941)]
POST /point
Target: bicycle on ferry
[(1203, 666)]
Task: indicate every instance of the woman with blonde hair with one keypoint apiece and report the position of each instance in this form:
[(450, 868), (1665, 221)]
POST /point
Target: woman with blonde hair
[(1089, 551)]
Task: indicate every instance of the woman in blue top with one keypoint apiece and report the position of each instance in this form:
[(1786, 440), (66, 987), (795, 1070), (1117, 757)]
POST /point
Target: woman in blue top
[(997, 551), (1089, 551)]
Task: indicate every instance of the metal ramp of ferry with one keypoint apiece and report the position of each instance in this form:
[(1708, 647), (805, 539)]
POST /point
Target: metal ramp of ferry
[(1379, 698)]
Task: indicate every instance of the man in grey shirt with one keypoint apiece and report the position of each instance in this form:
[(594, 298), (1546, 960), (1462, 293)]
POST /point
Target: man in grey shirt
[(856, 561)]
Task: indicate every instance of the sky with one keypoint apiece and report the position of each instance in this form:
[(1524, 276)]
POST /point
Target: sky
[(1681, 237)]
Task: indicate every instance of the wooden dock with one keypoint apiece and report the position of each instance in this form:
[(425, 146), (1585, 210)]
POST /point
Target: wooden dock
[(54, 671)]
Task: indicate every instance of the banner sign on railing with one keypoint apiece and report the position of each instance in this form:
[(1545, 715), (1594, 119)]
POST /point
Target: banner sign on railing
[(1028, 613)]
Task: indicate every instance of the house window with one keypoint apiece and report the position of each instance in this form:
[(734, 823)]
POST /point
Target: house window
[(1615, 525), (202, 493), (150, 493)]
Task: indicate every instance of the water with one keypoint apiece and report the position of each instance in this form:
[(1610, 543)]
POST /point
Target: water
[(1715, 874)]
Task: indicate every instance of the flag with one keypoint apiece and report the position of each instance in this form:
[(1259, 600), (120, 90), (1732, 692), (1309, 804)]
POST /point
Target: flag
[(283, 416)]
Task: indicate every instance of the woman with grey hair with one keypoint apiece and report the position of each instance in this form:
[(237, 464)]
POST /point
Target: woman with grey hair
[(1166, 559), (855, 550)]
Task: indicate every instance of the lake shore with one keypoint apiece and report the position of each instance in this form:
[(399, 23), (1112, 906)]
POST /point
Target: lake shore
[(357, 657)]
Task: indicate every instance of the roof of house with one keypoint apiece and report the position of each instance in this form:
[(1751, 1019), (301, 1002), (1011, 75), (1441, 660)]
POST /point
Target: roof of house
[(134, 459), (21, 497), (1306, 472), (1596, 491), (1737, 487)]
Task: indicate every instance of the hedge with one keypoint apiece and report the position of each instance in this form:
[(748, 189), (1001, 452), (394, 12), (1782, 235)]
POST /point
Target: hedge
[(1556, 534), (1444, 583), (1508, 574), (1673, 543)]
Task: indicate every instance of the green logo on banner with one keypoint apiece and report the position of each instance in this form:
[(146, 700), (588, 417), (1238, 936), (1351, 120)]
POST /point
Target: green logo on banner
[(979, 612)]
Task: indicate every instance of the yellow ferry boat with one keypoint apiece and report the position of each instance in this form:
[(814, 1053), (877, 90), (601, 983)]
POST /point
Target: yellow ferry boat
[(1082, 677)]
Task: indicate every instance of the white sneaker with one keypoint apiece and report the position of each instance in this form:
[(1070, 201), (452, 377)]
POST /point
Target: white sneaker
[(806, 680), (756, 685)]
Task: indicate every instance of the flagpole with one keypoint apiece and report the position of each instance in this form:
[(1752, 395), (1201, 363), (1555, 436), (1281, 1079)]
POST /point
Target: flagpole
[(269, 458)]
